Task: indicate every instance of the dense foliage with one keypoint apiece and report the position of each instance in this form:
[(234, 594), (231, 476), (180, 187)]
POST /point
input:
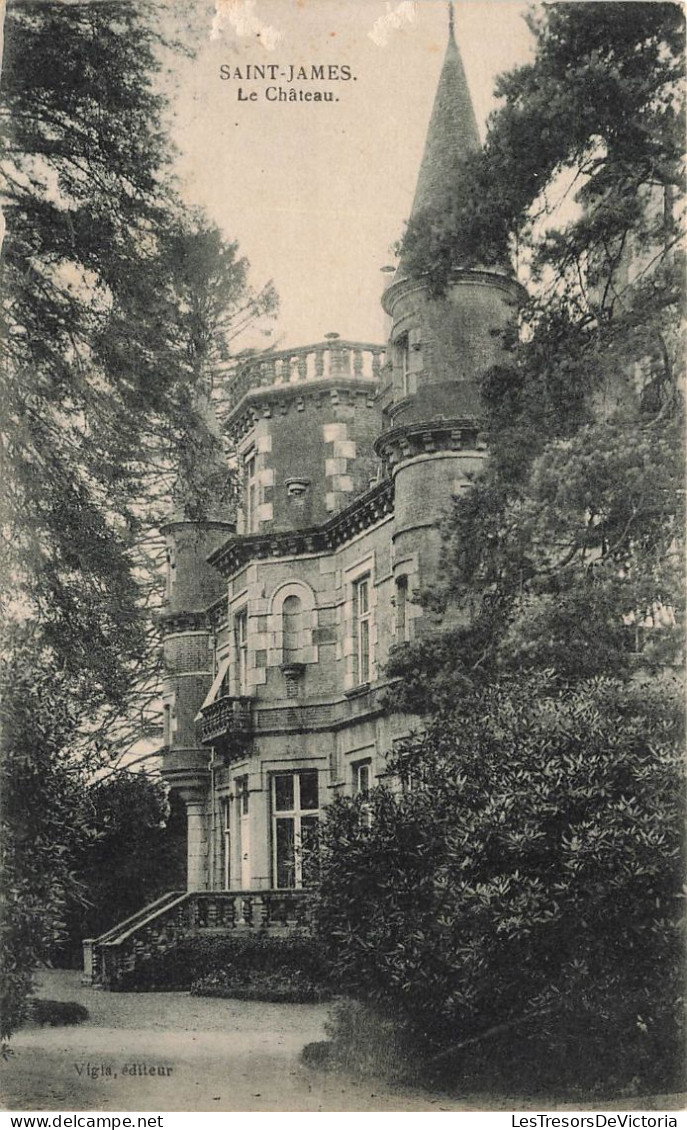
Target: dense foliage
[(219, 961), (567, 550), (136, 852), (528, 875), (43, 820)]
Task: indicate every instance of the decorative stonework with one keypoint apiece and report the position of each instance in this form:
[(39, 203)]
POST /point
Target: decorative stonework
[(325, 360), (428, 438), (270, 403), (218, 613), (368, 509), (490, 277)]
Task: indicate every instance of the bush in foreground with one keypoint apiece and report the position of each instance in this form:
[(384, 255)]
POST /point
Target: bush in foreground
[(56, 1013), (518, 904), (213, 965)]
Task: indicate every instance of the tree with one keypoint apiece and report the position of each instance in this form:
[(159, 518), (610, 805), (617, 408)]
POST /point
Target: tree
[(135, 852), (100, 385), (567, 551), (43, 818)]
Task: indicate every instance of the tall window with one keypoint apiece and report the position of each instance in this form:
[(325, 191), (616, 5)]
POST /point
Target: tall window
[(403, 354), (243, 805), (291, 628), (251, 491), (295, 816), (226, 843), (171, 569), (401, 607), (361, 599), (362, 777), (362, 783), (241, 638)]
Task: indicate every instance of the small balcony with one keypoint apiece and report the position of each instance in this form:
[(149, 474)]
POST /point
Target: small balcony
[(227, 724)]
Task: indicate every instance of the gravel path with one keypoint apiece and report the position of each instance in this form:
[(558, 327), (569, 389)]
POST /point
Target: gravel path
[(206, 1055), (172, 1052)]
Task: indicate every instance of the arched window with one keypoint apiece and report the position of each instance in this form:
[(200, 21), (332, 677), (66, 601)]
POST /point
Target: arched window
[(291, 615)]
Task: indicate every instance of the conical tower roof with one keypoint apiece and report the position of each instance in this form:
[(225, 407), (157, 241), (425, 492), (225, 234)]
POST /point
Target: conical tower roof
[(452, 133), (451, 136)]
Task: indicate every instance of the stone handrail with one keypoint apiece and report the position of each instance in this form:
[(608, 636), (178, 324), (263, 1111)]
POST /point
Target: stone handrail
[(326, 360), (227, 717), (112, 958)]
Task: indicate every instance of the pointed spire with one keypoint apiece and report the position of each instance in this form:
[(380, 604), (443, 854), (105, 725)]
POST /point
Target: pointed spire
[(452, 132)]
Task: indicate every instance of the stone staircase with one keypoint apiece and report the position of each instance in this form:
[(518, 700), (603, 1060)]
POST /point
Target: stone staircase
[(160, 926)]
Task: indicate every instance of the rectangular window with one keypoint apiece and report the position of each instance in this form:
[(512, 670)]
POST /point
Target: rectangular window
[(295, 818), (226, 843), (251, 491), (362, 777), (241, 640), (243, 794), (401, 608), (361, 597), (403, 355), (362, 783), (243, 803)]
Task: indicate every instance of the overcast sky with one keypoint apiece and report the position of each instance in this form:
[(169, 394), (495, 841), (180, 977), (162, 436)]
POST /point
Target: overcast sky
[(317, 193)]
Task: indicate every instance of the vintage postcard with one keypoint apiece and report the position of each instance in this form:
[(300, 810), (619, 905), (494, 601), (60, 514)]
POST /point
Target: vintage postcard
[(324, 419)]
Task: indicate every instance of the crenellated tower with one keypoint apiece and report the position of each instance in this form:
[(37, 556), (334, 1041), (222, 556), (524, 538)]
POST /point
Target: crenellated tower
[(440, 347)]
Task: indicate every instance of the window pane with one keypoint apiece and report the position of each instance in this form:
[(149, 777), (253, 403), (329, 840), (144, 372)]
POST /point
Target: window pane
[(244, 795), (309, 793), (363, 779), (283, 792), (401, 597), (363, 597), (364, 657), (286, 855), (309, 850)]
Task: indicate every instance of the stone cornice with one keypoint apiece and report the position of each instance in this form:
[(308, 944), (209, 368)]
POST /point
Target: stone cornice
[(429, 437), (177, 521), (492, 277), (264, 403), (364, 512)]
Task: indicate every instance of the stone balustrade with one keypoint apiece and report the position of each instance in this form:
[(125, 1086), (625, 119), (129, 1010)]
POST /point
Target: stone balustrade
[(326, 360), (228, 719), (111, 960)]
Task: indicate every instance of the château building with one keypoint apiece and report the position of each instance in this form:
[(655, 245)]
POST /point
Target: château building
[(280, 619)]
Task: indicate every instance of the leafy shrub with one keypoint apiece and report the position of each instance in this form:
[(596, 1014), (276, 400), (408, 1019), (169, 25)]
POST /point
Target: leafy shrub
[(527, 879), (221, 959), (283, 986), (56, 1013)]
